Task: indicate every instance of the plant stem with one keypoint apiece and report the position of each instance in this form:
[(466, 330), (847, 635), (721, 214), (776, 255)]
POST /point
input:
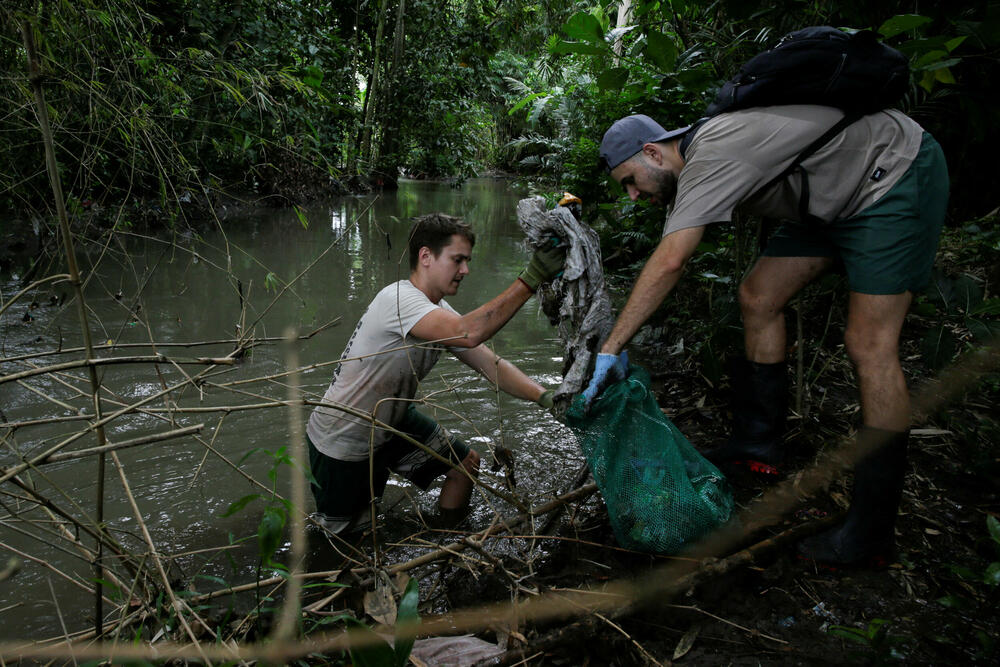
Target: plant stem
[(35, 76)]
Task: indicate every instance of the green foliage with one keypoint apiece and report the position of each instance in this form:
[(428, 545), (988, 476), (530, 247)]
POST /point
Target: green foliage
[(176, 99), (668, 58), (175, 102), (988, 577), (271, 528), (270, 531), (379, 653), (874, 636), (972, 589), (956, 305)]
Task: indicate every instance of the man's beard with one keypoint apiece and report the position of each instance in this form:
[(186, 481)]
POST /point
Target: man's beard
[(666, 187)]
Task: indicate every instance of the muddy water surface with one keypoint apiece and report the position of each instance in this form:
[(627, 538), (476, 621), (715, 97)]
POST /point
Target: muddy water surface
[(187, 289)]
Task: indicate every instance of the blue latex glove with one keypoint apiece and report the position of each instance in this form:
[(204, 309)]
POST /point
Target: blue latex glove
[(608, 368)]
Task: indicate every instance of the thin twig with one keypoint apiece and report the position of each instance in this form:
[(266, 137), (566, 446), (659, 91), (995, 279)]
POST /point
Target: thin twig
[(288, 620), (112, 446), (52, 167), (745, 629), (176, 604), (124, 346), (108, 361), (59, 277), (62, 622)]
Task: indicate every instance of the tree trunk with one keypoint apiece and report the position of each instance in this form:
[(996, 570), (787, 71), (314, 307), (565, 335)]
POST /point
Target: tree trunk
[(351, 159), (624, 16), (386, 157), (371, 103)]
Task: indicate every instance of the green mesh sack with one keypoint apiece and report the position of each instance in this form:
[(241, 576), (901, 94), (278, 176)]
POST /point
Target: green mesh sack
[(661, 494)]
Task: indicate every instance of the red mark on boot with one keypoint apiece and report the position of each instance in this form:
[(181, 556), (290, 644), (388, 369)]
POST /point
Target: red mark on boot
[(758, 467)]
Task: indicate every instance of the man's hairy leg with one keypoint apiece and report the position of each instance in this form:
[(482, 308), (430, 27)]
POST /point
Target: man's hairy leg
[(458, 484), (763, 295), (872, 341)]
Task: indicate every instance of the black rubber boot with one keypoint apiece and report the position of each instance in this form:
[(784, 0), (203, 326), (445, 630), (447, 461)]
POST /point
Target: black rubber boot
[(760, 407), (867, 535)]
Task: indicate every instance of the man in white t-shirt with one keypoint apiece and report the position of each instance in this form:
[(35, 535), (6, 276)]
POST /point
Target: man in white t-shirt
[(871, 199), (355, 443)]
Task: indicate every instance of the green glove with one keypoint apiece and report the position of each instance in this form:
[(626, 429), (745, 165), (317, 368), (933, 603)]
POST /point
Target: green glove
[(545, 400), (546, 264)]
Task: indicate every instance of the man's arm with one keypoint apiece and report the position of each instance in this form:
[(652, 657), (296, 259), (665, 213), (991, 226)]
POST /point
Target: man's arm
[(476, 327), (502, 373), (473, 328), (658, 277)]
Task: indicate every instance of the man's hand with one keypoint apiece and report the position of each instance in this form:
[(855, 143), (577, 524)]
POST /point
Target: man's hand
[(608, 368), (547, 398), (546, 263), (503, 457)]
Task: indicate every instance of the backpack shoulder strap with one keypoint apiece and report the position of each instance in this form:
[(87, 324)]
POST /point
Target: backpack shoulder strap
[(689, 135), (796, 165)]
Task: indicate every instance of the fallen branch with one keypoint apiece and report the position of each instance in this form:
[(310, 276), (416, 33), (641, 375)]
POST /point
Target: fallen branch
[(111, 446), (108, 361), (124, 346), (708, 569)]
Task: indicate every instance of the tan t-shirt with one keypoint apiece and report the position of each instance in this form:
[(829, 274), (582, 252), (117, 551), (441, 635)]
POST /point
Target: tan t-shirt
[(734, 154), (364, 383)]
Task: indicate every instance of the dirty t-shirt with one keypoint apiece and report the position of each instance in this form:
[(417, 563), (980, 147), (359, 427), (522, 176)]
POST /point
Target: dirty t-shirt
[(362, 383), (735, 154)]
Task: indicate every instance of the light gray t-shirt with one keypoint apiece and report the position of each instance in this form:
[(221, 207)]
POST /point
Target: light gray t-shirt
[(734, 154), (364, 383)]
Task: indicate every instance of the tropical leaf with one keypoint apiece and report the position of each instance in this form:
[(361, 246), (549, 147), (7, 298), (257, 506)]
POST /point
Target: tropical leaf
[(953, 44), (582, 48), (517, 87), (618, 33), (524, 101), (313, 76), (953, 602), (661, 51), (968, 293), (303, 220), (376, 654), (938, 347), (538, 107), (993, 525), (852, 634), (407, 617), (270, 531), (902, 23), (983, 330), (240, 504), (612, 79), (584, 26), (942, 291)]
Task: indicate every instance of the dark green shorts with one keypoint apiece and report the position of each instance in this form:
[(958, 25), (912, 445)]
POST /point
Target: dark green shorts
[(345, 487), (889, 247)]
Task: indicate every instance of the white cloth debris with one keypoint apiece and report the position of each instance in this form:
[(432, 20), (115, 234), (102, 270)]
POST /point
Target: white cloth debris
[(578, 301), (461, 651)]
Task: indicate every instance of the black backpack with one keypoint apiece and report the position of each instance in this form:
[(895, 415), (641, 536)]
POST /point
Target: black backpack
[(817, 65)]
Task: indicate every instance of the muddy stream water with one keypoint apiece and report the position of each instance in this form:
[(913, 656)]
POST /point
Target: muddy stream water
[(185, 289)]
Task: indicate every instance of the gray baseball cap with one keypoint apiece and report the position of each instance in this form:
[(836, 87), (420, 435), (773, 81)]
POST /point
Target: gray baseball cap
[(628, 135)]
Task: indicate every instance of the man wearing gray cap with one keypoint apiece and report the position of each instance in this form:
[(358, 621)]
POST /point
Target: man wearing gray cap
[(872, 200)]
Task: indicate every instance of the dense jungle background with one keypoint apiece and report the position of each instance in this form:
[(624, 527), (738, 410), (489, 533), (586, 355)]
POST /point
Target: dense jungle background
[(173, 117)]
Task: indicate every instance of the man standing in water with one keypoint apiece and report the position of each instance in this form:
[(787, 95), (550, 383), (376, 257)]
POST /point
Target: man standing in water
[(879, 191), (394, 346)]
